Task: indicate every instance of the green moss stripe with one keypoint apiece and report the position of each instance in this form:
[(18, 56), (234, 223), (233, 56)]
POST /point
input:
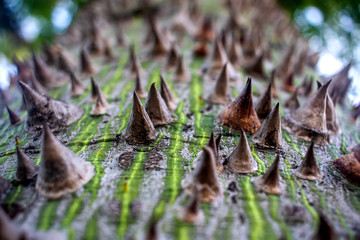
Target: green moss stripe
[(274, 202), (58, 92), (94, 185), (355, 200), (11, 197), (333, 153), (175, 169), (154, 78), (128, 187), (308, 207), (343, 146), (101, 75), (84, 120), (86, 135), (133, 179), (8, 135), (91, 229), (344, 224), (261, 163), (47, 215), (183, 231), (124, 113), (290, 180), (260, 228), (230, 216), (321, 197), (124, 120), (72, 210), (288, 139), (5, 127), (96, 158), (116, 78)]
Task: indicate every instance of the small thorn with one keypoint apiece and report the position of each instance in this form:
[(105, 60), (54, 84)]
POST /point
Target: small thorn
[(134, 63), (26, 169), (240, 114), (24, 70), (340, 84), (181, 75), (96, 45), (61, 171), (256, 68), (65, 63), (50, 53), (14, 119), (272, 81), (140, 129), (172, 57), (224, 37), (17, 141), (264, 106), (201, 49), (313, 59), (292, 103), (214, 144), (139, 89), (205, 176), (77, 87), (269, 182), (235, 53), (86, 66), (332, 123), (157, 109), (192, 212), (99, 108), (169, 98), (96, 94), (309, 168), (241, 159), (217, 59), (325, 231), (269, 134), (160, 46), (285, 65), (37, 86), (121, 38), (45, 75), (108, 53), (288, 83), (220, 94), (206, 31), (308, 87)]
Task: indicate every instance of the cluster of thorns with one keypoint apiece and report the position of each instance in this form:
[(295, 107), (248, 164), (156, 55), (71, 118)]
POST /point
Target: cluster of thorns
[(236, 47)]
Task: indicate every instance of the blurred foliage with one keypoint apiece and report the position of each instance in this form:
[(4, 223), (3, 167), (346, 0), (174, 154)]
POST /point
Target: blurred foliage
[(329, 8), (333, 26), (14, 12)]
